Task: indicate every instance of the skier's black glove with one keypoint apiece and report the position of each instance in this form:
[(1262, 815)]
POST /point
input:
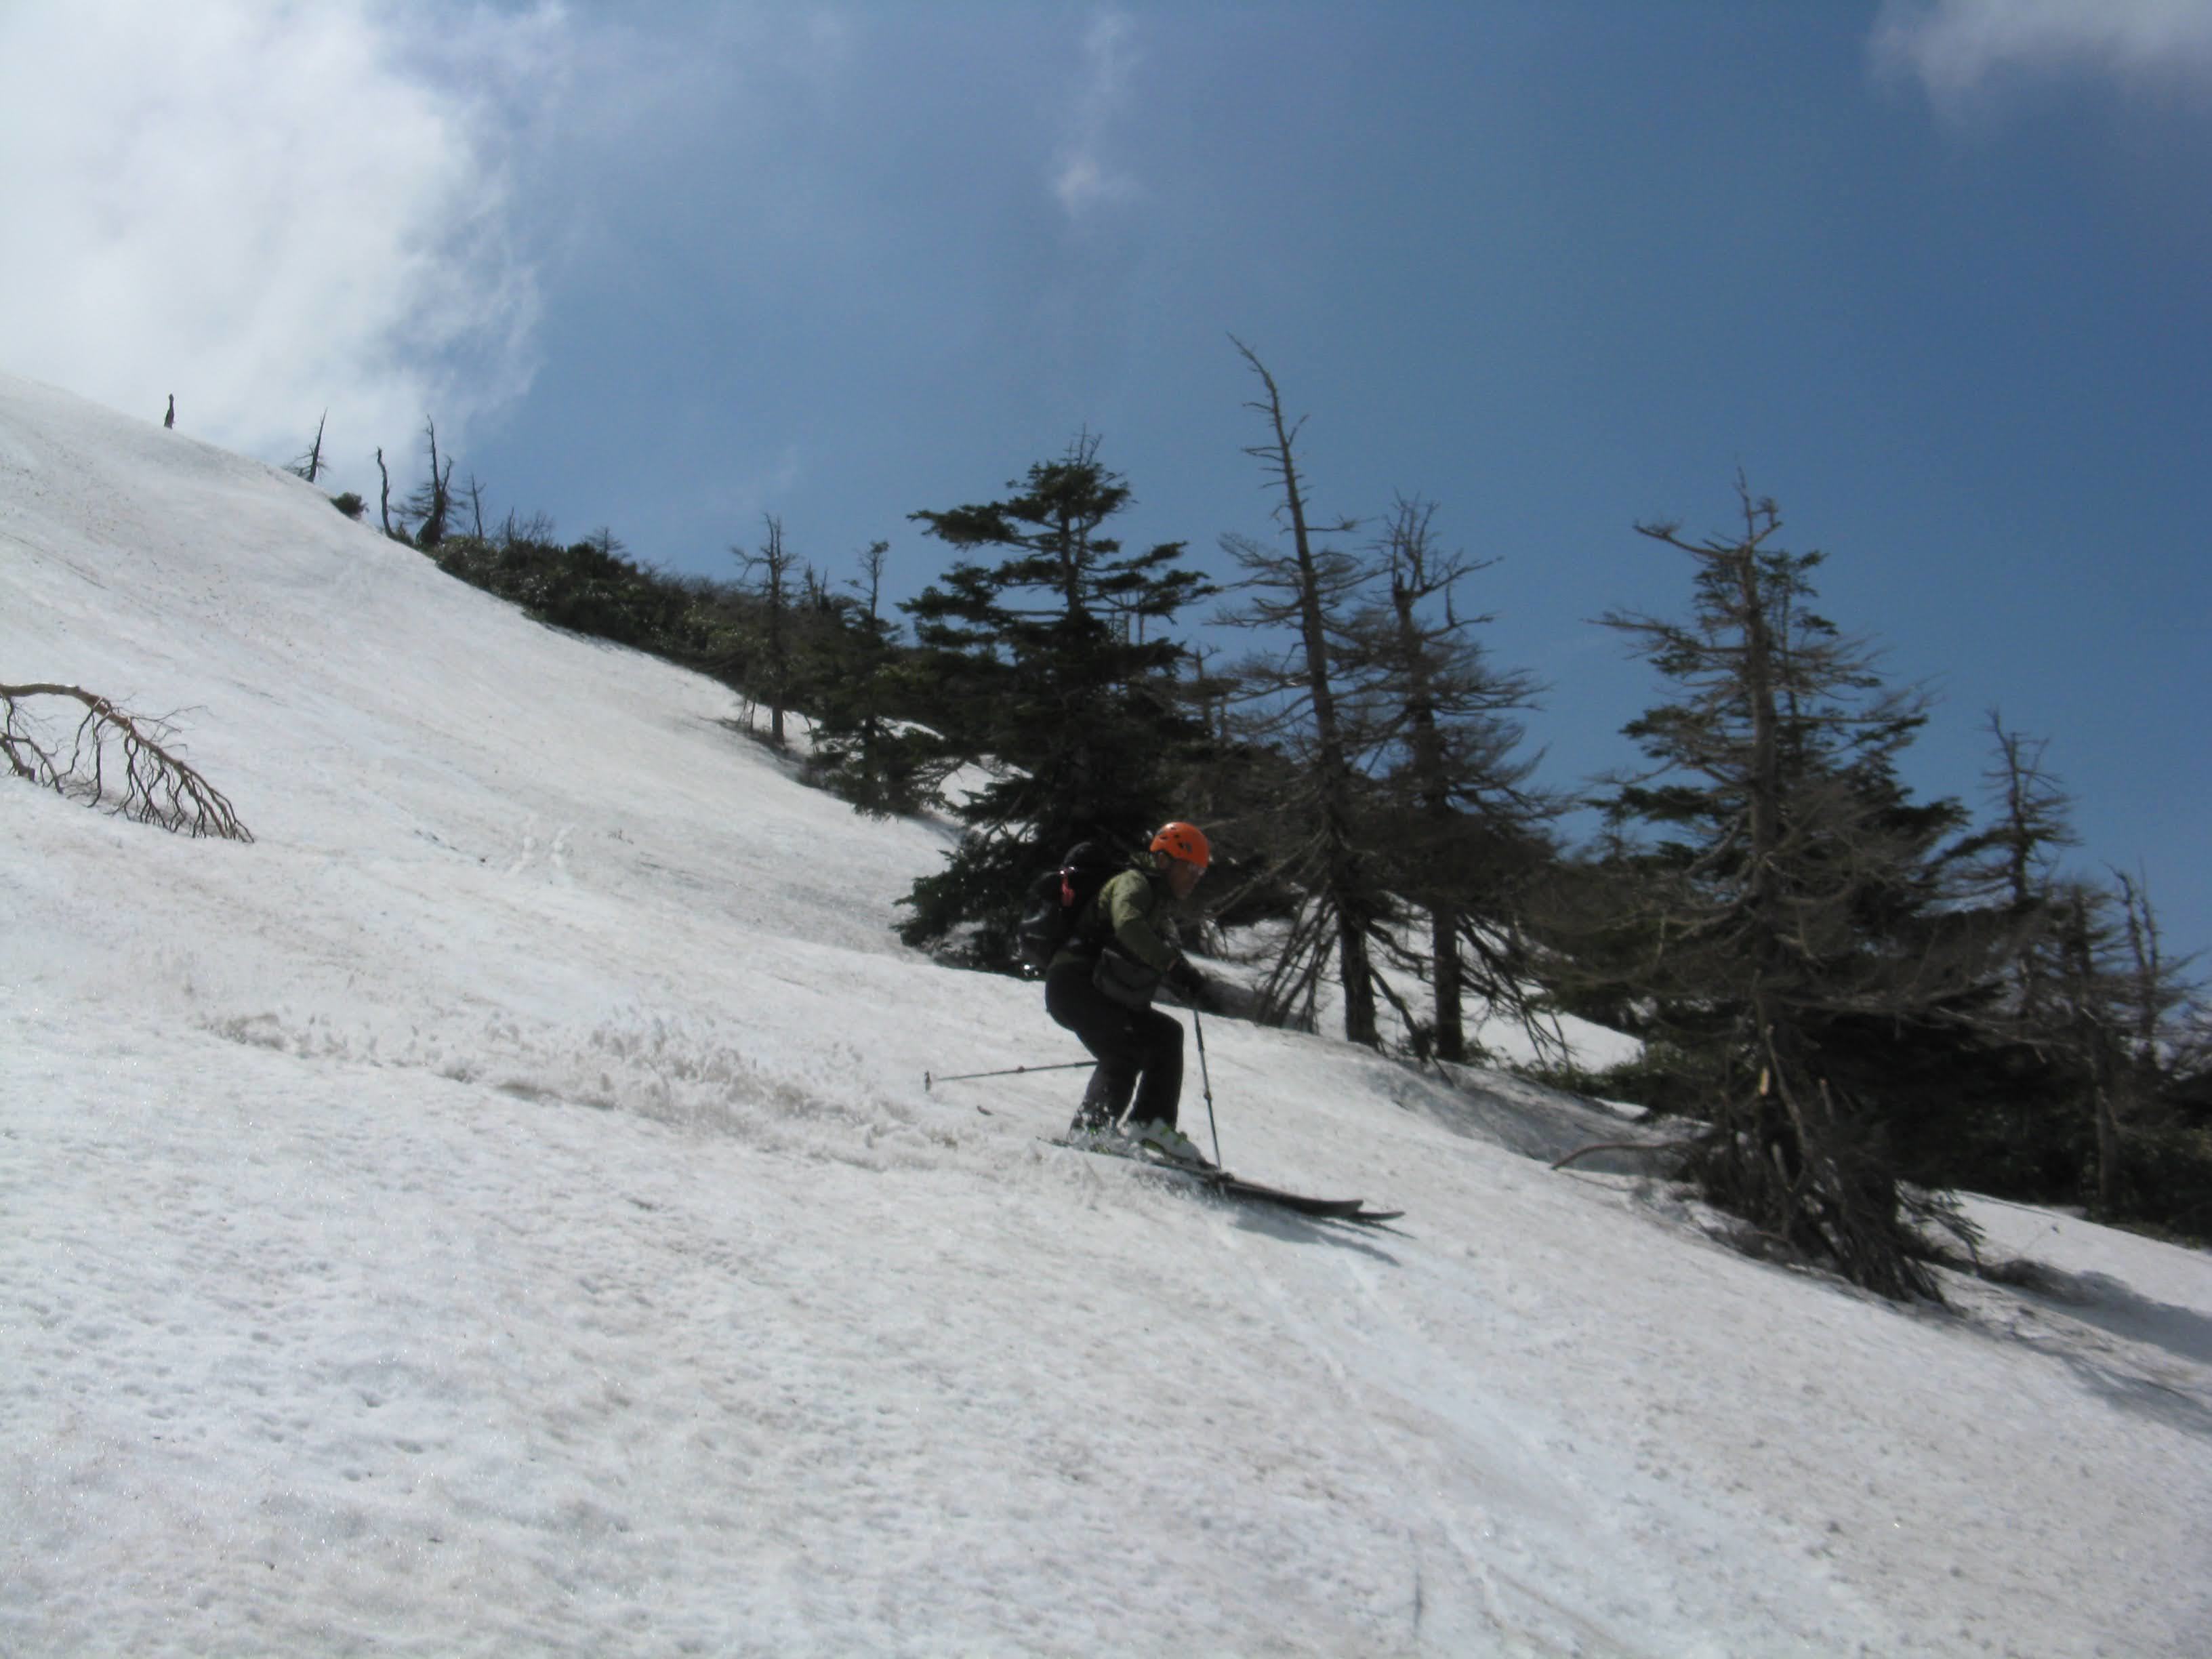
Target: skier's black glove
[(1187, 982)]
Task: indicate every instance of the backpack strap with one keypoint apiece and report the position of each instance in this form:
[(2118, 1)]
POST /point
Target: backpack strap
[(1090, 932)]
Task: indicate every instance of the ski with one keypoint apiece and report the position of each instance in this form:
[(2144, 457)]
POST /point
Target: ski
[(1229, 1186)]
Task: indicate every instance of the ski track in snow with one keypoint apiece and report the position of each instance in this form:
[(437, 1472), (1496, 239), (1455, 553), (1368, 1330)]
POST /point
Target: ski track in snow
[(498, 1211)]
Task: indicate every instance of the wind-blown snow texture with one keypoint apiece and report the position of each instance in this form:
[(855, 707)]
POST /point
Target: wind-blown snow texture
[(499, 1211)]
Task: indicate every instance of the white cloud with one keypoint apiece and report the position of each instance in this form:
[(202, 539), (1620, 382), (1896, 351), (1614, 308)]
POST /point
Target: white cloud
[(1961, 49), (267, 209), (1082, 178)]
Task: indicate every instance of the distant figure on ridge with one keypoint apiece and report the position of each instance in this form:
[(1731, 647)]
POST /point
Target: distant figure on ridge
[(170, 419), (1100, 986)]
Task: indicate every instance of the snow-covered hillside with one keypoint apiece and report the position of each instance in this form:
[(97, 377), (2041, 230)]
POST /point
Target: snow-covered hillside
[(499, 1211)]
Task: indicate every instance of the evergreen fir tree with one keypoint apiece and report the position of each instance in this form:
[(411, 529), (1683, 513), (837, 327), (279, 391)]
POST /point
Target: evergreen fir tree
[(862, 752), (1791, 937), (1052, 667), (1457, 827)]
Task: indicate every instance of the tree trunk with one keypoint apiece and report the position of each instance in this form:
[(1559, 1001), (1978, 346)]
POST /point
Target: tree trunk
[(1450, 981), (1447, 976), (1333, 773), (1766, 782), (2108, 1153), (774, 564)]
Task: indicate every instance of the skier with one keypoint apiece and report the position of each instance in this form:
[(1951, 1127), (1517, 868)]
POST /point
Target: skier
[(1100, 986)]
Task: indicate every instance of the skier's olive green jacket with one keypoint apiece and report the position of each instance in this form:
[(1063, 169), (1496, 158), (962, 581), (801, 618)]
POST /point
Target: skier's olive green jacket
[(1128, 914)]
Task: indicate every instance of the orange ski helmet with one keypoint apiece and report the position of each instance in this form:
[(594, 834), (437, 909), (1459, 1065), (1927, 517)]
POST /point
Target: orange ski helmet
[(1182, 840)]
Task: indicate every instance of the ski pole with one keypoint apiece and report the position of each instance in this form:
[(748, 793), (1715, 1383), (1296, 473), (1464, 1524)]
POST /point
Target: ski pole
[(1206, 1081), (928, 1081)]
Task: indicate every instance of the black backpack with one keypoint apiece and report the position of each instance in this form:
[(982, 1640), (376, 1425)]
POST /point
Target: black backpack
[(1058, 898)]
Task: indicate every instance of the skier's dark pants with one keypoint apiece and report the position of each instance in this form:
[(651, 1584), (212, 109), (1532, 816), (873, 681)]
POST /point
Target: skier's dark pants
[(1139, 1050)]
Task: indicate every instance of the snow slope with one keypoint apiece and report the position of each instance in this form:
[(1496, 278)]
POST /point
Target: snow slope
[(498, 1211)]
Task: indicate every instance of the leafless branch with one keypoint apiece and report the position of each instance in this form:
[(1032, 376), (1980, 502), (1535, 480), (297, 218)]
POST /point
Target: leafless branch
[(1617, 1147), (154, 785)]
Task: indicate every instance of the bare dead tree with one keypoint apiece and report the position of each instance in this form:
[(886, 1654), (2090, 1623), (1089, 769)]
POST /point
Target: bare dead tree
[(773, 562), (431, 506), (1300, 589), (1210, 693), (384, 495), (2122, 1006), (475, 493), (1430, 715), (874, 638), (2016, 860), (873, 557), (124, 762), (309, 462), (538, 529)]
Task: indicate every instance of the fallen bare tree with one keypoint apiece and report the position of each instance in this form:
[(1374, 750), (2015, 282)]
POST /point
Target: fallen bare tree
[(112, 759), (1657, 1148)]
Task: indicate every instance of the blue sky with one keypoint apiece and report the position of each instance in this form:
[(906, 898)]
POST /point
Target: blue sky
[(1937, 276)]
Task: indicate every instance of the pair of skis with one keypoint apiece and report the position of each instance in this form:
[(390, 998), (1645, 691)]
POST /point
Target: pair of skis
[(1229, 1186)]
